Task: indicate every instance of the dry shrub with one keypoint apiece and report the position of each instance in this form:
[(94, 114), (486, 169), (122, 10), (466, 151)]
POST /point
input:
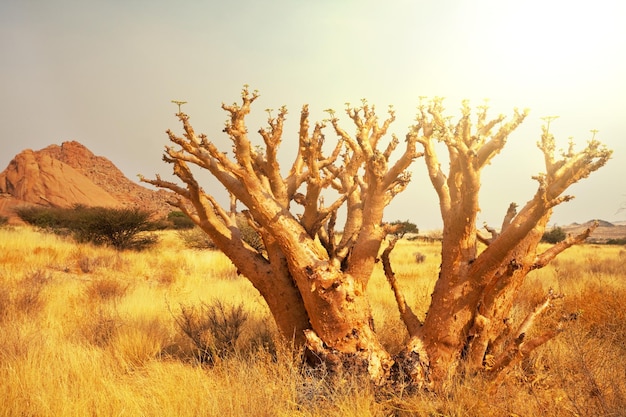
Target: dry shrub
[(391, 333), (167, 274), (100, 328), (195, 238), (167, 279), (583, 369), (86, 264), (105, 289), (28, 299), (18, 339), (568, 271), (213, 328), (320, 393)]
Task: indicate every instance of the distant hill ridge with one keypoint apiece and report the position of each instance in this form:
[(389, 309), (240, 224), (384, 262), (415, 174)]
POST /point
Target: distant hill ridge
[(605, 230), (601, 223), (70, 174)]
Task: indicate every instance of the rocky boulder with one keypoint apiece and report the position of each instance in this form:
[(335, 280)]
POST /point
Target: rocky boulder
[(35, 177), (70, 174)]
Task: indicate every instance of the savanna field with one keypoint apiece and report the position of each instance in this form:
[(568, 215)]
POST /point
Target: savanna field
[(90, 331)]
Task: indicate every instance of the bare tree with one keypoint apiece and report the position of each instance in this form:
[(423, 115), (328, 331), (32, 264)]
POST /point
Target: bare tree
[(469, 313), (314, 279)]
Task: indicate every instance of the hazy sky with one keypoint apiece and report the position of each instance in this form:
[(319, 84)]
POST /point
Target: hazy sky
[(103, 73)]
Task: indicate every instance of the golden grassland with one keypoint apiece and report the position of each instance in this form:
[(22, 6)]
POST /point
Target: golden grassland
[(88, 331)]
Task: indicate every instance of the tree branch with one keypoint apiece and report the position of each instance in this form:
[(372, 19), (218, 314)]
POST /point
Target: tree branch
[(412, 323), (519, 346), (497, 141), (510, 214), (544, 258), (269, 166)]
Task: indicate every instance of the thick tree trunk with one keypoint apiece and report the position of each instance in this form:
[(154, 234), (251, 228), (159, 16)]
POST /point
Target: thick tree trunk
[(339, 313), (453, 303)]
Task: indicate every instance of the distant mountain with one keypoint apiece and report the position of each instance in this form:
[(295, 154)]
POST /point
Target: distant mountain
[(70, 174), (605, 230), (601, 223)]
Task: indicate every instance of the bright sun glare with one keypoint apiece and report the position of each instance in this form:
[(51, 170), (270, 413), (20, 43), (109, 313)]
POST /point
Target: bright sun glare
[(548, 41)]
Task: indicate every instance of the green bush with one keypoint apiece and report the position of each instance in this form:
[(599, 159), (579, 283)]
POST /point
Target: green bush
[(405, 227), (118, 227), (44, 217), (617, 241), (555, 235), (180, 221)]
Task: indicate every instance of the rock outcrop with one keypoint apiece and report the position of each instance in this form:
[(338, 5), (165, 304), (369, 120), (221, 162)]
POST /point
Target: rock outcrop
[(70, 174), (35, 177)]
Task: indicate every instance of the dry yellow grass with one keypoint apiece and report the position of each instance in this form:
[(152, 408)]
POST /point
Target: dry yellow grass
[(88, 331)]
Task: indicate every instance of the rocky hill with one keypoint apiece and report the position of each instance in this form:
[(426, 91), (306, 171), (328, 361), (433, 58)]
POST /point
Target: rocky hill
[(605, 230), (70, 174)]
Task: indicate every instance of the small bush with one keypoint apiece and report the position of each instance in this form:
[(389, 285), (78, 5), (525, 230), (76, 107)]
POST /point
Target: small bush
[(617, 241), (25, 297), (555, 235), (195, 238), (119, 228), (180, 221), (106, 289), (405, 227), (101, 327), (213, 328), (3, 221)]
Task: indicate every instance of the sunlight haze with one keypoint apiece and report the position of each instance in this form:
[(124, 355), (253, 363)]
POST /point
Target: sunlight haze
[(104, 74)]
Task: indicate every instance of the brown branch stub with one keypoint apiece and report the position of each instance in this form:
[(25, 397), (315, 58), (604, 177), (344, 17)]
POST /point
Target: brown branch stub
[(511, 212)]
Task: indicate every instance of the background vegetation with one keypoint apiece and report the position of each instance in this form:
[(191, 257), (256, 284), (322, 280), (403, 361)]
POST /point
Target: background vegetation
[(121, 228), (554, 235), (87, 330)]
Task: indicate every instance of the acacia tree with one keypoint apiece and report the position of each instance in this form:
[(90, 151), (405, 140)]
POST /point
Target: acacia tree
[(314, 279)]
